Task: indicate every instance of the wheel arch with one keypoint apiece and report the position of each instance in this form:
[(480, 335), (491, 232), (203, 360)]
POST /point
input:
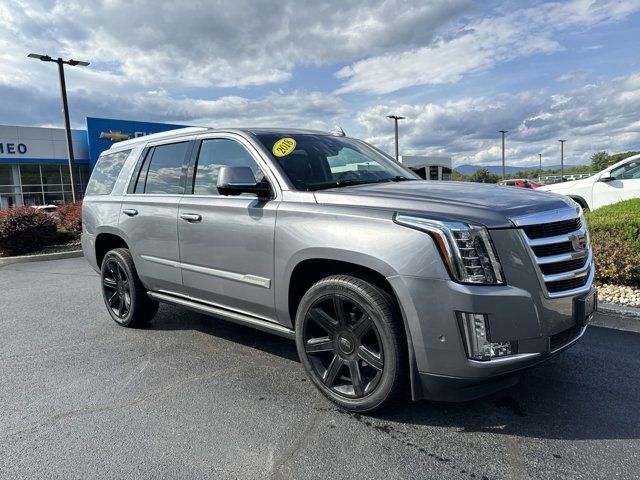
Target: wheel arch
[(580, 201), (106, 241), (305, 272)]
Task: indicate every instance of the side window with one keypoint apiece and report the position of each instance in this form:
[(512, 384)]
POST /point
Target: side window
[(163, 169), (628, 171), (106, 172), (214, 154)]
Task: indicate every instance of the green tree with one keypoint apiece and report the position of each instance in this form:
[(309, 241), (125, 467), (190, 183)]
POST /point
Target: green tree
[(458, 177), (600, 161), (482, 175)]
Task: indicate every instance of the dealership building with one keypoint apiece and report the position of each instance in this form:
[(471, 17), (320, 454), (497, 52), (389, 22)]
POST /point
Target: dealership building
[(34, 169)]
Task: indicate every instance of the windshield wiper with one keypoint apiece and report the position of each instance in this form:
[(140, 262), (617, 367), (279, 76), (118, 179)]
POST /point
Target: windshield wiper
[(399, 178), (353, 181)]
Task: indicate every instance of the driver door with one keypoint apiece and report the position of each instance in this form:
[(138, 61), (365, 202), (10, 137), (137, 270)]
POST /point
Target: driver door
[(227, 242)]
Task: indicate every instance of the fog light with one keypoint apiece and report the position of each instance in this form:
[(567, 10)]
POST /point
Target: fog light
[(475, 331)]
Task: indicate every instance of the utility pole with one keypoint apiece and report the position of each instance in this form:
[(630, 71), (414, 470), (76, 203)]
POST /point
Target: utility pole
[(540, 171), (65, 108), (562, 160), (504, 172), (395, 121)]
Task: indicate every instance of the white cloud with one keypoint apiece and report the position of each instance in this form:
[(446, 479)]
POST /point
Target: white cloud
[(480, 45), (601, 116), (237, 43)]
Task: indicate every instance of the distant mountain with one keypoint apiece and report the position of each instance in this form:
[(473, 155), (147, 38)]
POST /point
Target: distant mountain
[(497, 169)]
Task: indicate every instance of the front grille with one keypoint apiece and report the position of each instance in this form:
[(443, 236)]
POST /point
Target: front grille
[(560, 339), (552, 229), (552, 249), (561, 251), (561, 267), (569, 284)]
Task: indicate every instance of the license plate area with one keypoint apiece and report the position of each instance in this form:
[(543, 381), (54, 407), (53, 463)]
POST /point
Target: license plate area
[(585, 306)]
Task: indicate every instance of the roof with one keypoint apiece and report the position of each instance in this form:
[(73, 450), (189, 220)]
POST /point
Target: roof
[(178, 132)]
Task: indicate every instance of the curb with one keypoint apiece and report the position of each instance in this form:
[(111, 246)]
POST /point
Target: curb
[(38, 258), (622, 310)]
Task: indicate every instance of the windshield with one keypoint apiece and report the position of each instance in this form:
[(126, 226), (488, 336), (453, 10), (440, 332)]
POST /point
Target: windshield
[(314, 162)]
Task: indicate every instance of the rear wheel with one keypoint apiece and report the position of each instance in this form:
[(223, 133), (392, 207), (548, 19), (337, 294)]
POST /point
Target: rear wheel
[(123, 293), (351, 342)]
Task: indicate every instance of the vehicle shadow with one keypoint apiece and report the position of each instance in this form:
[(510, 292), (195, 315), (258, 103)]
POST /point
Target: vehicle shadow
[(175, 318), (591, 391)]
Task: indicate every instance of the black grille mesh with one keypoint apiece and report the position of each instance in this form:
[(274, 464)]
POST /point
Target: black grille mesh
[(552, 229)]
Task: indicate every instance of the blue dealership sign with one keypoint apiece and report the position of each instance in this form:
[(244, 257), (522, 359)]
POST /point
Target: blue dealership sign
[(103, 132)]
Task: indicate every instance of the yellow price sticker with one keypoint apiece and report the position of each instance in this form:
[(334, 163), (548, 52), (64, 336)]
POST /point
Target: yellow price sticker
[(284, 147)]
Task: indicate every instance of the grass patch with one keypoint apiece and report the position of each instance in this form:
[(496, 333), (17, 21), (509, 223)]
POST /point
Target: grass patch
[(615, 237)]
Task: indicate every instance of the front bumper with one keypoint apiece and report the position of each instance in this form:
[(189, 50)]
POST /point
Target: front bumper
[(543, 327)]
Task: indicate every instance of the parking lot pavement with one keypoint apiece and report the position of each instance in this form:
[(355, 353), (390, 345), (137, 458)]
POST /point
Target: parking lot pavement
[(195, 397)]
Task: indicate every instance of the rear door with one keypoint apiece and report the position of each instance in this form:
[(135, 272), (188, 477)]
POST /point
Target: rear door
[(227, 242), (149, 214)]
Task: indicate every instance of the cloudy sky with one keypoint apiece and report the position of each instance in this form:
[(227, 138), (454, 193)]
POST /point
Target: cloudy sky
[(458, 70)]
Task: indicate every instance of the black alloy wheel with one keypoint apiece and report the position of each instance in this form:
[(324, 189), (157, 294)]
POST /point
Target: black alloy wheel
[(351, 342), (124, 294), (116, 289), (343, 345)]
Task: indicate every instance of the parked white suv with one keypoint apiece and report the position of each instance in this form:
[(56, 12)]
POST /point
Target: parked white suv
[(618, 182)]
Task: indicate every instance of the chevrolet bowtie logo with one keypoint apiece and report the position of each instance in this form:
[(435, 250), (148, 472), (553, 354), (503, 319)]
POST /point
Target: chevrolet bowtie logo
[(115, 135)]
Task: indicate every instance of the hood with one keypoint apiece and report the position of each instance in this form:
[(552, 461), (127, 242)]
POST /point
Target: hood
[(490, 205)]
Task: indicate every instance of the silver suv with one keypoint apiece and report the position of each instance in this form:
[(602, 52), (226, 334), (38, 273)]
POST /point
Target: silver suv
[(383, 279)]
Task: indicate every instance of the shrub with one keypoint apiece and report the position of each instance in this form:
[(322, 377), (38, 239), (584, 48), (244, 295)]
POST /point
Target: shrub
[(25, 229), (70, 217), (615, 237)]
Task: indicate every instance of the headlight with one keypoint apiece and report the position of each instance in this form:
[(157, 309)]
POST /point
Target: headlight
[(466, 248)]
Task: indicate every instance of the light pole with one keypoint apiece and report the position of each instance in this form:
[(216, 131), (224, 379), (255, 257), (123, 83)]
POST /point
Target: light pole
[(65, 107), (540, 170), (504, 173), (395, 121), (562, 160)]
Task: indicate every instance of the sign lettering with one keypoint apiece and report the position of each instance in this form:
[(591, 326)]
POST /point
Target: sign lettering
[(12, 148)]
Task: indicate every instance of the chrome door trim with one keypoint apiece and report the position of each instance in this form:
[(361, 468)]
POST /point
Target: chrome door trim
[(238, 277), (231, 315), (161, 261)]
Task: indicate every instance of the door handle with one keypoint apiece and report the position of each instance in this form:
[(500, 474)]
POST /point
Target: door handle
[(191, 217), (132, 212)]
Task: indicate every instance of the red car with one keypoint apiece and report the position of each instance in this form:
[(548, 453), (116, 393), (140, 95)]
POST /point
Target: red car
[(519, 182)]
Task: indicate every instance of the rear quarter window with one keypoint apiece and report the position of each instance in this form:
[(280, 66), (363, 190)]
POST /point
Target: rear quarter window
[(106, 172)]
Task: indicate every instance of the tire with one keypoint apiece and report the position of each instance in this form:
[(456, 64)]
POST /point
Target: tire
[(356, 358), (122, 291)]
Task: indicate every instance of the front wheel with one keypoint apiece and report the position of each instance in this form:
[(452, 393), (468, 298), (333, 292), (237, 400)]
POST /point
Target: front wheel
[(123, 293), (352, 343)]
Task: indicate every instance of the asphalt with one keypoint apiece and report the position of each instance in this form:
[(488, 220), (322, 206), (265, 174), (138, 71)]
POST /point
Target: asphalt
[(196, 397)]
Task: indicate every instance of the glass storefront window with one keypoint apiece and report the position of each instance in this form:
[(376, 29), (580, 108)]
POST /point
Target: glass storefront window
[(51, 174), (30, 175), (6, 177), (40, 184), (33, 199), (53, 198)]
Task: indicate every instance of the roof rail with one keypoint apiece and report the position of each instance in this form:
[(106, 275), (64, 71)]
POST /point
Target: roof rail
[(159, 136)]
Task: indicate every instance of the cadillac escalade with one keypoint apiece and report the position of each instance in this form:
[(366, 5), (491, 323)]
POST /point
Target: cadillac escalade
[(384, 280)]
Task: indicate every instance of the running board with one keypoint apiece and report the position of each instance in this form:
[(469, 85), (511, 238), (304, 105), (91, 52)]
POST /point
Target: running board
[(229, 315)]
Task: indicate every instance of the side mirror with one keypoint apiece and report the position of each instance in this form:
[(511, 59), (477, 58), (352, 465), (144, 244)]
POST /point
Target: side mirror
[(606, 177), (237, 180)]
